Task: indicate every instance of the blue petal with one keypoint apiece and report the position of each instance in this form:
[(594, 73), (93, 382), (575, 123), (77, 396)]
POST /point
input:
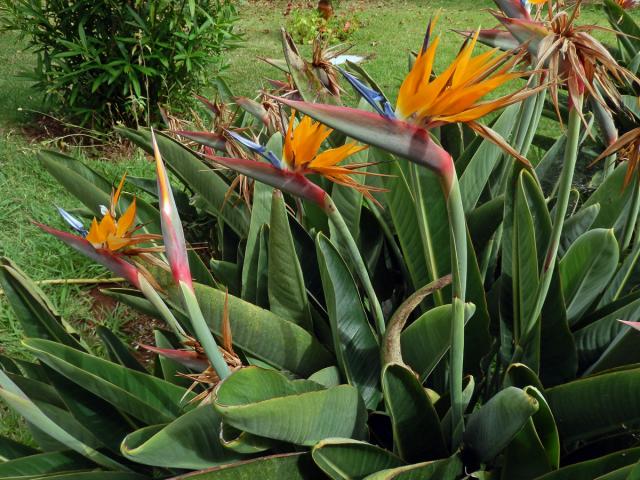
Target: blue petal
[(373, 97), (427, 36), (72, 221), (259, 149)]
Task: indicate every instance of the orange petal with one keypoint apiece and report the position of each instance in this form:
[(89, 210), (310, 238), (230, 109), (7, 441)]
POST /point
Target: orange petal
[(307, 139), (287, 151), (334, 156), (116, 243), (116, 196), (107, 225), (95, 236), (127, 219)]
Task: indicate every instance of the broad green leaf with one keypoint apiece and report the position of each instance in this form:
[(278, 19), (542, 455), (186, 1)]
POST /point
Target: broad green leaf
[(354, 341), (91, 412), (44, 464), (19, 402), (612, 198), (476, 334), (529, 203), (558, 353), (432, 214), (476, 175), (631, 103), (446, 469), (37, 391), (593, 340), (586, 269), (287, 292), (241, 442), (82, 182), (619, 282), (491, 428), (521, 376), (190, 441), (535, 450), (266, 403), (37, 316), (551, 163), (524, 267), (623, 21), (327, 377), (401, 206), (623, 350), (416, 427), (228, 274), (546, 428), (343, 459), (597, 405), (10, 449), (93, 475), (198, 177), (263, 334), (525, 457), (484, 221), (117, 351), (262, 268), (426, 340), (260, 215), (289, 466), (596, 467), (9, 365), (145, 397), (576, 225), (54, 404)]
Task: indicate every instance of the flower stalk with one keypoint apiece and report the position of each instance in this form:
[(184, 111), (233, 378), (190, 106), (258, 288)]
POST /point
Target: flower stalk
[(458, 236), (562, 203), (176, 250)]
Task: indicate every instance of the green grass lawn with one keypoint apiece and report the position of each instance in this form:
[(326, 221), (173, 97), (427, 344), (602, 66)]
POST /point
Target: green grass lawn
[(389, 31)]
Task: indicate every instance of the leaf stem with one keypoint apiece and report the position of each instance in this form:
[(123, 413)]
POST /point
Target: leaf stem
[(203, 333), (150, 294), (356, 259), (458, 235)]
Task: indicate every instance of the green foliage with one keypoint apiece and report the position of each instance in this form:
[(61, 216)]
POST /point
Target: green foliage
[(305, 24), (111, 61)]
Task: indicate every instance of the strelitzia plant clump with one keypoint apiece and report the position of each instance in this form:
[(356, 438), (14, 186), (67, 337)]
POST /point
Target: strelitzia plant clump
[(401, 293)]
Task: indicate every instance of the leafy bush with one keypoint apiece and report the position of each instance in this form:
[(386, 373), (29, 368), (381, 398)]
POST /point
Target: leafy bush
[(107, 61), (306, 24), (376, 319)]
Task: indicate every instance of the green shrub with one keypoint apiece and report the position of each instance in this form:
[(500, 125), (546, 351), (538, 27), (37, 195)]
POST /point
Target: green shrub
[(107, 61), (306, 24)]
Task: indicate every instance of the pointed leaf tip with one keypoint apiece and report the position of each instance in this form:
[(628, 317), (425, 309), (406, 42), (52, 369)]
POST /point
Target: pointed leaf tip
[(172, 233)]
